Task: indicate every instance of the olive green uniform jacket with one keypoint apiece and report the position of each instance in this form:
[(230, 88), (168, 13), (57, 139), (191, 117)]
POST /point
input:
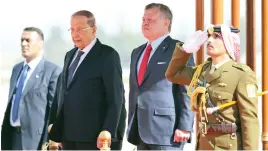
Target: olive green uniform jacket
[(231, 81)]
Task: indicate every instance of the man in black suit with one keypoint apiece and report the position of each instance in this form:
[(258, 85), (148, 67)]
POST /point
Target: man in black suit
[(90, 96), (32, 87)]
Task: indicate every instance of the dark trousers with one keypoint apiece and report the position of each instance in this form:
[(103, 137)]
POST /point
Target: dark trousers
[(16, 139), (70, 145)]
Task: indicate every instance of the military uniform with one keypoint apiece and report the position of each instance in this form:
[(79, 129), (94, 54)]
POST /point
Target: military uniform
[(232, 128)]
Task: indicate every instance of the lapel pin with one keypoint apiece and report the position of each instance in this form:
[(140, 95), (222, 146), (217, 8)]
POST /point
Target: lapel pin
[(37, 76)]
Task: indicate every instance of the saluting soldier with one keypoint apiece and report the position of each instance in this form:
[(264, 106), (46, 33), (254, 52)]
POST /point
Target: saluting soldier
[(225, 92)]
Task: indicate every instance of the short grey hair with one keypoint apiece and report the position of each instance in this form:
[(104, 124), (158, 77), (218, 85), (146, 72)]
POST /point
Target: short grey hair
[(91, 19), (164, 10)]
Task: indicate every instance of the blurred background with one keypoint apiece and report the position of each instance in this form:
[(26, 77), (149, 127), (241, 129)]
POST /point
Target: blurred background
[(119, 25)]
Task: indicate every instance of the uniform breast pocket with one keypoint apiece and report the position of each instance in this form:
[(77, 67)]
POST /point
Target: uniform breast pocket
[(224, 98)]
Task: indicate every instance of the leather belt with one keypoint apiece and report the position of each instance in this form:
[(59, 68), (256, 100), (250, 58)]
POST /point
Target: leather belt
[(225, 128), (17, 129)]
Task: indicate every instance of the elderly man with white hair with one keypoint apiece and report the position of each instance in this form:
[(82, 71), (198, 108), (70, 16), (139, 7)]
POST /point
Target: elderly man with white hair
[(223, 91)]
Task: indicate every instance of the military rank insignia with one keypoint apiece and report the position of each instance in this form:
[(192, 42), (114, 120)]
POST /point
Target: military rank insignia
[(251, 90)]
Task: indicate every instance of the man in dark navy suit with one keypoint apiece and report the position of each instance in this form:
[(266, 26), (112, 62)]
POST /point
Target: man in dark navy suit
[(90, 96)]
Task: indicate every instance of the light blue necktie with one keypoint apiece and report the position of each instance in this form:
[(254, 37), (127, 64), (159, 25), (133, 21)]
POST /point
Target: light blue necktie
[(18, 93)]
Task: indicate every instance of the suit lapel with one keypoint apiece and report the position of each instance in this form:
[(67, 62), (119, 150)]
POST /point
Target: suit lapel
[(89, 57), (38, 71), (161, 49), (69, 58), (14, 79)]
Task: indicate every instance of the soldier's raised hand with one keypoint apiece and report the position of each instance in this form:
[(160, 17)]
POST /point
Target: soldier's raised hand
[(194, 42)]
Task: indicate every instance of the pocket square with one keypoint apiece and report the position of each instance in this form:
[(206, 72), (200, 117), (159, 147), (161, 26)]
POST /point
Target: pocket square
[(161, 62)]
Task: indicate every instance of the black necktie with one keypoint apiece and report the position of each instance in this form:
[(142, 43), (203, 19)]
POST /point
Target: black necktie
[(73, 66)]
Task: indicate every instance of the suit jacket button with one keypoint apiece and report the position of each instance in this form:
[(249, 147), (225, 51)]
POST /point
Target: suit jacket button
[(230, 145), (65, 92)]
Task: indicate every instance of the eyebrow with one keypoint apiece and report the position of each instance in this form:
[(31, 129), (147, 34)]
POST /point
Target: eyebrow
[(27, 39)]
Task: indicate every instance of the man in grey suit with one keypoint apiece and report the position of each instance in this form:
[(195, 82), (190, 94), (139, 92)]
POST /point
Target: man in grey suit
[(159, 111), (32, 88)]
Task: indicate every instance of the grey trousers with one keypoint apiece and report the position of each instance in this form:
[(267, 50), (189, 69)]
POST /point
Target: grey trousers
[(144, 146)]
